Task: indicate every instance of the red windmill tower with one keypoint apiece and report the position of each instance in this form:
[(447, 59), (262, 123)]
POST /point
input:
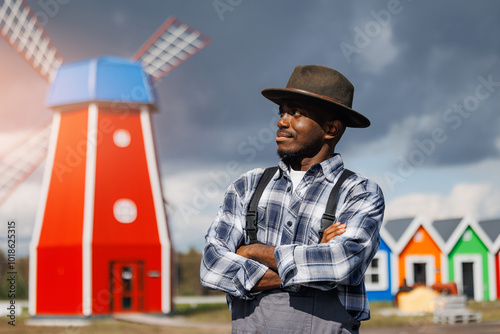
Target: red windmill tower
[(100, 242)]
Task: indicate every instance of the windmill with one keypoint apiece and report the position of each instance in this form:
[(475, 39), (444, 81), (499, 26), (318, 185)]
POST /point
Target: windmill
[(100, 242)]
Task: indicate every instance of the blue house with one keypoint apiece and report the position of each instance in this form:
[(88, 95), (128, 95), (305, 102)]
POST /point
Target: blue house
[(378, 275)]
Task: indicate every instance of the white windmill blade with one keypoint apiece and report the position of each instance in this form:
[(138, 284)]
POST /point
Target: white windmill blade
[(20, 28), (22, 160), (172, 44)]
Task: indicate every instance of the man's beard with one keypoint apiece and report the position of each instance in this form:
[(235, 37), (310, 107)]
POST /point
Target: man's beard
[(289, 158), (295, 157)]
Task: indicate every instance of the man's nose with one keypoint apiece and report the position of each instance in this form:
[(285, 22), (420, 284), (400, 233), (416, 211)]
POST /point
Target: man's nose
[(284, 121)]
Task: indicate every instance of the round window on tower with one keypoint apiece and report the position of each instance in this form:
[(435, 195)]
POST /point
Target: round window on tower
[(125, 211), (121, 138)]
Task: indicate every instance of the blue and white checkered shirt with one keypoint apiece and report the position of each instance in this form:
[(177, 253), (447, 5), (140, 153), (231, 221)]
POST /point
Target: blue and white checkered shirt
[(290, 221)]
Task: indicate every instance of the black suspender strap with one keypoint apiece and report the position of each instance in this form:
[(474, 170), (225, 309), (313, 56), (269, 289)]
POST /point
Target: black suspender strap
[(251, 224), (331, 206), (327, 219)]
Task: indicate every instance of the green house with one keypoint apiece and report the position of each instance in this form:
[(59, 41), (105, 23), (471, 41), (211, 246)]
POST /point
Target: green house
[(469, 260)]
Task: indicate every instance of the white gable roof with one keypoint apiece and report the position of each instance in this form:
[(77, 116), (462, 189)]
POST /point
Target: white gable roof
[(459, 231), (398, 232)]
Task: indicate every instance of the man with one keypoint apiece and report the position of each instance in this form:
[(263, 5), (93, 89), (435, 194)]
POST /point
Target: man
[(290, 281)]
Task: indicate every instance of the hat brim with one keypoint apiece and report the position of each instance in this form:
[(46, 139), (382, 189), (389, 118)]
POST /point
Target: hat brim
[(350, 117)]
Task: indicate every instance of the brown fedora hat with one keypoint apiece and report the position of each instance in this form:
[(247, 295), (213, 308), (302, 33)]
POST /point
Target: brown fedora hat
[(321, 85)]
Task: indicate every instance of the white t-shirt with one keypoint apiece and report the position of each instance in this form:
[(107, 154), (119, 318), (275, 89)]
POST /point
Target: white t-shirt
[(296, 176)]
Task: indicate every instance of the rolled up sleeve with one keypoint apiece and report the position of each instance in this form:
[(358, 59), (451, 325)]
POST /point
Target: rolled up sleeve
[(221, 268)]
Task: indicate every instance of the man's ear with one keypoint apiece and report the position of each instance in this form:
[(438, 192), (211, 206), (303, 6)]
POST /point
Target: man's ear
[(334, 129)]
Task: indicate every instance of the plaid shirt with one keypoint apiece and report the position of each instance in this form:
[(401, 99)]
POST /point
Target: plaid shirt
[(290, 221)]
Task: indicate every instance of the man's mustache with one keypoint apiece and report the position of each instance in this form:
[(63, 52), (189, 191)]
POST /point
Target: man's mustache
[(284, 133)]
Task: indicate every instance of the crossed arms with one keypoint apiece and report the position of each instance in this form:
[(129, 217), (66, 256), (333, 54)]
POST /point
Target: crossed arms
[(242, 271), (265, 254)]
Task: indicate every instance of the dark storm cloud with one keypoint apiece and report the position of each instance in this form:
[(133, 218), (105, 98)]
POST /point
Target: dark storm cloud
[(443, 49), (211, 106), (256, 47), (241, 61)]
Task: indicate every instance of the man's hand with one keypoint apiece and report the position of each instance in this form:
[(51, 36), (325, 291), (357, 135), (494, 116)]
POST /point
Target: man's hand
[(332, 231), (259, 252), (263, 254)]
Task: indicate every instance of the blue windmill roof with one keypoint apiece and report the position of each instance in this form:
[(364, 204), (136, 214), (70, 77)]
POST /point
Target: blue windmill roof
[(107, 79)]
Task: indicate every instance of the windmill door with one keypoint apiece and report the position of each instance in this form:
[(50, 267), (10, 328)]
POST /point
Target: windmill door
[(127, 288)]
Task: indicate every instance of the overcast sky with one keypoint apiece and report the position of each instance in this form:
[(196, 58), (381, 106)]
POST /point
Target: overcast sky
[(426, 73)]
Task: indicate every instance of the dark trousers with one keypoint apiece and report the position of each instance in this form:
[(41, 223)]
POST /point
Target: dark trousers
[(277, 311)]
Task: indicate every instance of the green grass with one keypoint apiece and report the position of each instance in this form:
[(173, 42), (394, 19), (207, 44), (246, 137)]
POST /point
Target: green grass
[(105, 325), (490, 310), (216, 313), (220, 313)]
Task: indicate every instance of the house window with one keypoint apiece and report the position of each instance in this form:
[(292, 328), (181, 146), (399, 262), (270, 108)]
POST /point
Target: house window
[(376, 275), (467, 236), (419, 236)]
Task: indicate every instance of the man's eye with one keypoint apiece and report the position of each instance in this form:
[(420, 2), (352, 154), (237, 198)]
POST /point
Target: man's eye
[(291, 112)]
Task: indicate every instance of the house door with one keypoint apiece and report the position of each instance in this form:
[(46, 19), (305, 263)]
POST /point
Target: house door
[(420, 269), (419, 273), (468, 274), (468, 279), (127, 287)]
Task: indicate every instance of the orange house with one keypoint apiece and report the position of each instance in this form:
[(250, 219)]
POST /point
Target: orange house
[(419, 256)]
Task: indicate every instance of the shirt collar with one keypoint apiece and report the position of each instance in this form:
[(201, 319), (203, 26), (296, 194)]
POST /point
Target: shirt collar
[(330, 168)]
